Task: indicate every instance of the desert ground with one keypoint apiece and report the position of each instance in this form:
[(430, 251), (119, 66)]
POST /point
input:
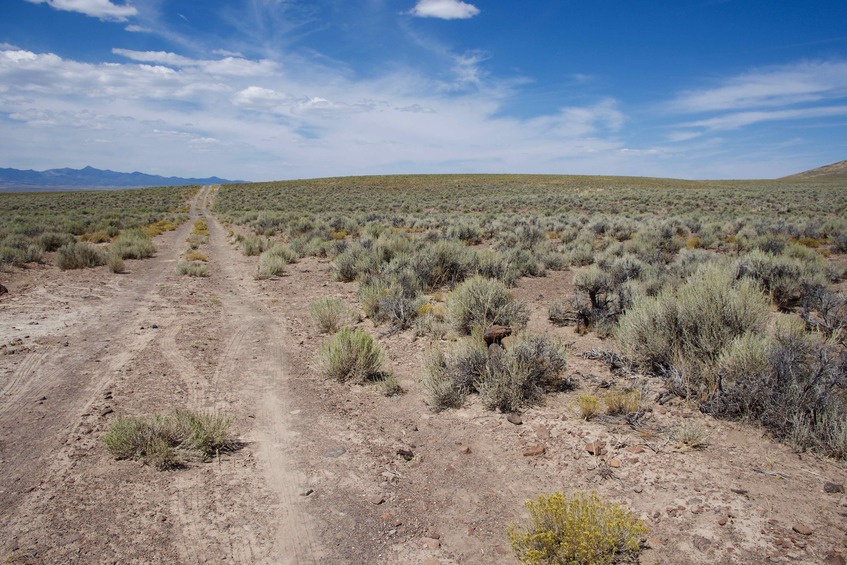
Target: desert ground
[(330, 472)]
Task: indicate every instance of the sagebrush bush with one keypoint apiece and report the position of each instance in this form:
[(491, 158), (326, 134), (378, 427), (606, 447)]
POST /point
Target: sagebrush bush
[(168, 441), (330, 313), (115, 263), (681, 333), (788, 279), (253, 245), (588, 405), (505, 379), (480, 302), (790, 381), (351, 354), (79, 255), (132, 244), (576, 528)]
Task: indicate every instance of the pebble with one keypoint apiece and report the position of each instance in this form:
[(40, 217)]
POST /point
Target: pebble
[(833, 558), (430, 543), (376, 500), (833, 488), (803, 529), (534, 451), (514, 419), (596, 448), (614, 464)]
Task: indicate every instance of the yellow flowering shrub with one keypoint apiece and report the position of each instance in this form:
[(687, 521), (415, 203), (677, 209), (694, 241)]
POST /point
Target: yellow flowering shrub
[(576, 529)]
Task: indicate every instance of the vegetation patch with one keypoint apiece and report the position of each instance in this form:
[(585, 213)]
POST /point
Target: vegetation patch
[(576, 528), (170, 441), (350, 354)]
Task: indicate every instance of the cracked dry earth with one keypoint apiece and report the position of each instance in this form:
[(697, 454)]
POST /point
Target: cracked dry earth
[(334, 473)]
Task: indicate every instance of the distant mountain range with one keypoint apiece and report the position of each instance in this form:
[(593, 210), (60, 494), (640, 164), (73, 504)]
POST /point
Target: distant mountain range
[(89, 178), (834, 171)]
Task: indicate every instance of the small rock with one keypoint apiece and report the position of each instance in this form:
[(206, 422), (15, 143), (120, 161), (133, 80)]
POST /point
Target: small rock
[(155, 326), (635, 449), (702, 544), (514, 419), (430, 543), (406, 454), (614, 464), (106, 411), (803, 530), (833, 558), (542, 432), (596, 448), (333, 453), (42, 399), (466, 450), (639, 489), (833, 488), (3, 290), (534, 451), (307, 491), (376, 500), (722, 522)]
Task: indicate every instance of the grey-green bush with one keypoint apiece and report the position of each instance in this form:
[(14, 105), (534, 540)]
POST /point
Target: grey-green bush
[(350, 354), (480, 302)]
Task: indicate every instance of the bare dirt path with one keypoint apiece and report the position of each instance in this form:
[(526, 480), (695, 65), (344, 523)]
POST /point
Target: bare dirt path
[(152, 341)]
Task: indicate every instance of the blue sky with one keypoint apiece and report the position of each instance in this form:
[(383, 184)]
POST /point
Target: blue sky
[(282, 89)]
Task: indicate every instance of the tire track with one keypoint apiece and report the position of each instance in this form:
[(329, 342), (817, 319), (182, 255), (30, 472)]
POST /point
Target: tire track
[(265, 371), (189, 375)]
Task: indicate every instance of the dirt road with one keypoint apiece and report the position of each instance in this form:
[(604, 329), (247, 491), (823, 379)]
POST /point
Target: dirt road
[(335, 473), (150, 341)]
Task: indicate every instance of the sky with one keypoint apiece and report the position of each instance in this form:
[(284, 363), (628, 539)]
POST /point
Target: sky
[(263, 90)]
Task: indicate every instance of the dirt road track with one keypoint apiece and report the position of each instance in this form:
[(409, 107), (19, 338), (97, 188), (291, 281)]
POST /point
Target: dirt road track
[(135, 351)]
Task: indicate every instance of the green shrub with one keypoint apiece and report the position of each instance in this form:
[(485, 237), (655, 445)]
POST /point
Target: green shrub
[(132, 244), (788, 279), (79, 256), (505, 380), (350, 354), (252, 245), (480, 302), (192, 269), (330, 313), (580, 528), (790, 381), (270, 265), (683, 332), (115, 263), (168, 441)]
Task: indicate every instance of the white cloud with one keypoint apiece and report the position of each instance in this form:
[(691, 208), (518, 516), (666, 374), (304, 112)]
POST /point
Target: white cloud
[(255, 119), (444, 9), (777, 86), (739, 119), (103, 9)]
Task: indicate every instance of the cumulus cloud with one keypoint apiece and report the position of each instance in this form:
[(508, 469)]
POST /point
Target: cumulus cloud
[(444, 9), (263, 121), (103, 9)]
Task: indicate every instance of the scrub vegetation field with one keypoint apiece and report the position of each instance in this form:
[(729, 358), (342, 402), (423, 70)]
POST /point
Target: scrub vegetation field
[(428, 369)]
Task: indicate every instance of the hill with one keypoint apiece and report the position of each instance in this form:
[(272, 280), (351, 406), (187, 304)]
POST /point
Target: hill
[(17, 180), (834, 171)]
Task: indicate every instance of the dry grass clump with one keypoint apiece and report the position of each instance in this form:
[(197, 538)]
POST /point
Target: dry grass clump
[(588, 405), (350, 354), (192, 269), (576, 528), (115, 263), (692, 434), (167, 442), (274, 259), (330, 313), (196, 256), (623, 402)]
